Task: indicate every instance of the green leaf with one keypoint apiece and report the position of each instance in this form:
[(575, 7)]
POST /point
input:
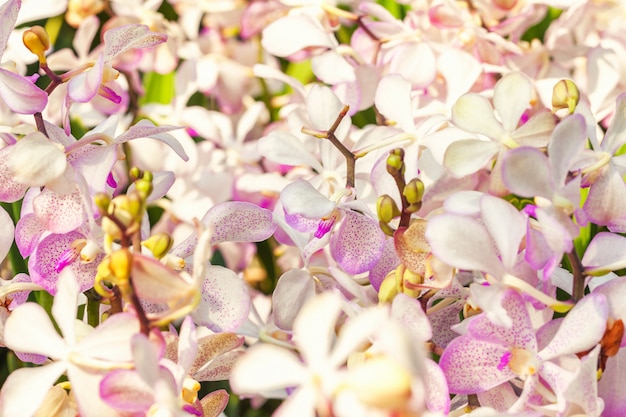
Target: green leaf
[(539, 30), (159, 88)]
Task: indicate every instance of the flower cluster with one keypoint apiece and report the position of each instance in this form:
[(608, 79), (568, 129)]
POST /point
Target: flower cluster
[(312, 208)]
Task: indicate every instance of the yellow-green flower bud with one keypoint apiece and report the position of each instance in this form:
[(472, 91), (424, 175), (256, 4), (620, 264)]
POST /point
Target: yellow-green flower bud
[(388, 288), (388, 230), (395, 162), (134, 173), (159, 244), (102, 201), (386, 208), (37, 41), (414, 191), (144, 187), (565, 95), (121, 262)]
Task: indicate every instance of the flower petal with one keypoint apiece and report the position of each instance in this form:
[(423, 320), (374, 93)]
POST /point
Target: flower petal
[(358, 243)]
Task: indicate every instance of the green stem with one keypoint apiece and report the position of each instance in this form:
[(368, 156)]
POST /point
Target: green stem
[(17, 262)]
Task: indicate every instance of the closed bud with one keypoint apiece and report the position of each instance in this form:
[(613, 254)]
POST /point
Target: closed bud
[(121, 262), (388, 288), (159, 244), (102, 201), (37, 41), (144, 187), (134, 173), (414, 191), (565, 95), (395, 162), (386, 208)]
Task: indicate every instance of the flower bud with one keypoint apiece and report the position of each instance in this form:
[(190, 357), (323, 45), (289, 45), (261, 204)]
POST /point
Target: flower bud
[(395, 162), (386, 208), (144, 187), (102, 201), (159, 244), (565, 95), (37, 41), (388, 288), (121, 262), (414, 191)]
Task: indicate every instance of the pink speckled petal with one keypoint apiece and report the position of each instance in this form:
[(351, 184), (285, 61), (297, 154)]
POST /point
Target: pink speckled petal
[(225, 302), (28, 231), (358, 244), (59, 213), (471, 365), (10, 190), (44, 259)]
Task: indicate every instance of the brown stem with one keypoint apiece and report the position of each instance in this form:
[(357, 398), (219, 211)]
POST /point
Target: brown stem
[(41, 126), (578, 286), (330, 135)]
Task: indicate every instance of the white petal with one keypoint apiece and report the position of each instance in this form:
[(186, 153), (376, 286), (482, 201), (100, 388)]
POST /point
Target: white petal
[(25, 389), (474, 113), (310, 34), (28, 329), (265, 368), (35, 161), (511, 97)]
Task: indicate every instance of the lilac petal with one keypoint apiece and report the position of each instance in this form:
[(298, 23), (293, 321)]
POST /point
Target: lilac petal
[(471, 365), (583, 390), (86, 390), (526, 172), (8, 12), (467, 156), (94, 163), (606, 201), (28, 231), (20, 335), (233, 221), (25, 389), (266, 367), (615, 292), (519, 335), (59, 213), (511, 97), (610, 386), (10, 190), (123, 38), (187, 344), (474, 113), (358, 244), (535, 132), (84, 86), (125, 390), (225, 302), (506, 226), (614, 137), (146, 129), (500, 398), (387, 262), (300, 197), (7, 231), (568, 141), (310, 34), (293, 289), (464, 243), (436, 387), (606, 252), (581, 329), (20, 94)]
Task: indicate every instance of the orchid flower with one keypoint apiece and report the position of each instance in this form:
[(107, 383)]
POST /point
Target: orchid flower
[(83, 353), (19, 93)]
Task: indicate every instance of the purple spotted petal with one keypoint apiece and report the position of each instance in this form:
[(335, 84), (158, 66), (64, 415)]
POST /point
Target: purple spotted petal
[(233, 221), (10, 190), (225, 302), (59, 213), (43, 260), (358, 243), (28, 231), (473, 366)]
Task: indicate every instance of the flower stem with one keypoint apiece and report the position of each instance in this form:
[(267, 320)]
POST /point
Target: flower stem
[(330, 135), (578, 287)]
